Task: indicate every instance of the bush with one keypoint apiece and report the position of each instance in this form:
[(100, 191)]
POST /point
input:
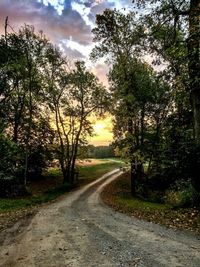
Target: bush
[(10, 156), (11, 187), (182, 194), (10, 168)]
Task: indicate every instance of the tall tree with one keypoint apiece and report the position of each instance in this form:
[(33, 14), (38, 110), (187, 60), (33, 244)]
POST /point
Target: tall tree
[(74, 96), (141, 99), (185, 16), (21, 86), (118, 36)]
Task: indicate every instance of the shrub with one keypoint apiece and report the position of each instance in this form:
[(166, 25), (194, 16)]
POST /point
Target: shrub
[(182, 194), (10, 168)]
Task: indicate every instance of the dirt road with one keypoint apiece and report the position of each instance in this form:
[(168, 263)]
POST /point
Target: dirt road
[(80, 231)]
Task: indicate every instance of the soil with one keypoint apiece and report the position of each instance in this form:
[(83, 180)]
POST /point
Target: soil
[(79, 230), (8, 219)]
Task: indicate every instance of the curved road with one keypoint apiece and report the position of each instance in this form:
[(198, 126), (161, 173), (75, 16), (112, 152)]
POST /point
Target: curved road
[(80, 231)]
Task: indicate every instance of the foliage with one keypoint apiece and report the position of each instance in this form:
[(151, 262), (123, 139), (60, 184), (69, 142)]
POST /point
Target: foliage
[(153, 115), (10, 158), (36, 84), (182, 194), (72, 98), (100, 151)]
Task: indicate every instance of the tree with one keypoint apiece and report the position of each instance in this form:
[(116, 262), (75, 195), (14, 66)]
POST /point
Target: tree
[(74, 96), (117, 37), (34, 80), (131, 82), (180, 14), (22, 95), (143, 104)]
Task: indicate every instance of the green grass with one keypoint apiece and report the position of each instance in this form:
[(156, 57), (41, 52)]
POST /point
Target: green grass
[(139, 204), (88, 173), (54, 172), (7, 204), (124, 198)]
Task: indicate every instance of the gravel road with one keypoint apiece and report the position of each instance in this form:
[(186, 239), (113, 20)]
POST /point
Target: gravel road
[(80, 231)]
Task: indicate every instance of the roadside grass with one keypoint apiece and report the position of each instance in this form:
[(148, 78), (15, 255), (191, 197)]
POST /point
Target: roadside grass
[(117, 195), (8, 204), (51, 187), (125, 199), (136, 203)]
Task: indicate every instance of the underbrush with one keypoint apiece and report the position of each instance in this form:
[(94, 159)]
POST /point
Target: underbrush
[(182, 194), (175, 192)]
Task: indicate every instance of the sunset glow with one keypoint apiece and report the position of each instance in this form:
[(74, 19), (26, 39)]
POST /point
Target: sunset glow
[(103, 132)]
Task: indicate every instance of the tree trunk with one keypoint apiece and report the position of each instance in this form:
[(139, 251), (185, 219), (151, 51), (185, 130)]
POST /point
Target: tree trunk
[(133, 174), (194, 64), (66, 177), (26, 165), (64, 170), (195, 101), (72, 171), (142, 125), (132, 158), (28, 134), (15, 132)]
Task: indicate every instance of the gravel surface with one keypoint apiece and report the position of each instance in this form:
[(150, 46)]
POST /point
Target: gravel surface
[(80, 231)]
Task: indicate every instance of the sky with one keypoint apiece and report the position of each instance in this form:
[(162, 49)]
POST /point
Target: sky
[(68, 24)]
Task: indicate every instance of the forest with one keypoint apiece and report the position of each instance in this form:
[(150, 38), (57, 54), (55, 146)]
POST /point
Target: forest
[(153, 96)]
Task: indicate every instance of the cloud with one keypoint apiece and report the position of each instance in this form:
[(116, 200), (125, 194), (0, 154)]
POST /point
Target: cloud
[(101, 70), (99, 8), (59, 5), (68, 25), (72, 54)]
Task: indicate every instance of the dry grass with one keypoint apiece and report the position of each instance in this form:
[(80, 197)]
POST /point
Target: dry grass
[(90, 162)]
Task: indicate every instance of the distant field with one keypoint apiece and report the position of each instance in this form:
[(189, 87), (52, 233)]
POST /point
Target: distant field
[(90, 162)]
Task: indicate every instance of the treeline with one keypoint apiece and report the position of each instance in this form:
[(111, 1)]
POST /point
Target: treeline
[(156, 113), (100, 151), (44, 107)]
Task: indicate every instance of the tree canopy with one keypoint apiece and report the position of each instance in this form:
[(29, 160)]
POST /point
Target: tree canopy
[(154, 110), (44, 106)]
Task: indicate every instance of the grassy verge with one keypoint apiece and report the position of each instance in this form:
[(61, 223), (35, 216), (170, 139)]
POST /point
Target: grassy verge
[(7, 204), (51, 186), (117, 195)]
